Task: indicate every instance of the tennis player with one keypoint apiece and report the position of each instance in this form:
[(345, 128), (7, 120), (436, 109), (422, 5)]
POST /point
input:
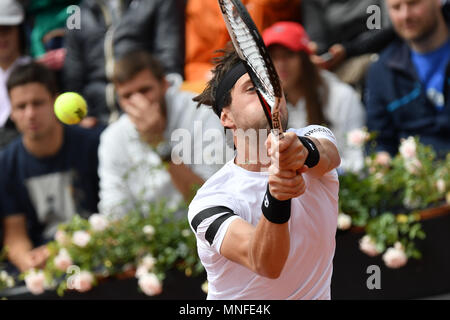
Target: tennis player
[(266, 229)]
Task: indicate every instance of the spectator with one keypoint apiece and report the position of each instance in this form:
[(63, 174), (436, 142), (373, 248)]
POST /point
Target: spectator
[(48, 174), (47, 21), (314, 96), (408, 87), (335, 26), (108, 29), (206, 32), (133, 149), (12, 50)]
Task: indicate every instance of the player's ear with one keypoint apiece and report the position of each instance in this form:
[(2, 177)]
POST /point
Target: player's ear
[(226, 118)]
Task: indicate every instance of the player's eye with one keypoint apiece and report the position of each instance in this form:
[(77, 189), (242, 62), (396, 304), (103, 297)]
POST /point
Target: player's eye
[(250, 89)]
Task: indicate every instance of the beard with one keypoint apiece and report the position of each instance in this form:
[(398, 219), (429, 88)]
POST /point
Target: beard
[(426, 30)]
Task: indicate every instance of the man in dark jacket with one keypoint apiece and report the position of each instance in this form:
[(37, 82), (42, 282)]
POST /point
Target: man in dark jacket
[(108, 30), (408, 87)]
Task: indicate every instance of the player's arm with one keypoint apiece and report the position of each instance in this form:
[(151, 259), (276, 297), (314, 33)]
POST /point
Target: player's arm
[(329, 157), (309, 155), (265, 249)]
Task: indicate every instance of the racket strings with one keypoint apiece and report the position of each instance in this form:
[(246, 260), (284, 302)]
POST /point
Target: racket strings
[(250, 51)]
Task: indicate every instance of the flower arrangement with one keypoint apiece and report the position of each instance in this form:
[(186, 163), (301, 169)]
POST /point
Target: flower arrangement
[(385, 198), (6, 281), (142, 245)]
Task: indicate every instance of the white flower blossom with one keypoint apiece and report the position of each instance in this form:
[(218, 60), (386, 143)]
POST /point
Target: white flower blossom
[(35, 281), (368, 246), (357, 137), (344, 221), (83, 281), (150, 284), (98, 222), (440, 185), (62, 238), (81, 238), (395, 257), (148, 230), (408, 148), (63, 260)]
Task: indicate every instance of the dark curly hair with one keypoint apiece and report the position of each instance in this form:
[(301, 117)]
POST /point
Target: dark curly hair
[(223, 64)]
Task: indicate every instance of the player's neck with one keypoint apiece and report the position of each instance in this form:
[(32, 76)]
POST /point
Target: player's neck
[(251, 156), (47, 145)]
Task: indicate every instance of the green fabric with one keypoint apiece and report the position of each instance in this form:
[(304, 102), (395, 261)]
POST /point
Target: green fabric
[(48, 15)]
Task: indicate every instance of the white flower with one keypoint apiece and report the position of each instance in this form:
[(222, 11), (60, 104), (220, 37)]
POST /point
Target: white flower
[(205, 287), (357, 137), (395, 257), (411, 203), (368, 246), (98, 222), (81, 238), (62, 238), (186, 233), (148, 261), (148, 230), (150, 284), (141, 271), (83, 281), (408, 148), (413, 165), (63, 260), (344, 221), (35, 281), (440, 185)]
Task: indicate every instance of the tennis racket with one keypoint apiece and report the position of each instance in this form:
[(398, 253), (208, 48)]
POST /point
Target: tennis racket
[(250, 47)]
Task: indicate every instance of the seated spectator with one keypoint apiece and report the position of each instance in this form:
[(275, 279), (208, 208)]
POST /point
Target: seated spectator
[(206, 32), (335, 27), (314, 96), (47, 22), (133, 150), (408, 87), (108, 30), (12, 49), (375, 42), (48, 174)]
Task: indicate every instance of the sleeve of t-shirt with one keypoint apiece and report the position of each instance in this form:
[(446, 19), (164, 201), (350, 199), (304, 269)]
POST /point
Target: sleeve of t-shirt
[(210, 217), (318, 132)]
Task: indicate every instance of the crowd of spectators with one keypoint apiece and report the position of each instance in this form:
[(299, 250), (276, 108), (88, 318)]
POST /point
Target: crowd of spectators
[(136, 61)]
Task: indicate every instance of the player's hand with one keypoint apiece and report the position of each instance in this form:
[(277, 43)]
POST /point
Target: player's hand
[(288, 156), (287, 153), (147, 116), (285, 184)]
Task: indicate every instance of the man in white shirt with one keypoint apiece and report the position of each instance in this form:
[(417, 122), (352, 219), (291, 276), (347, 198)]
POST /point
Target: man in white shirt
[(136, 166), (266, 229), (11, 16)]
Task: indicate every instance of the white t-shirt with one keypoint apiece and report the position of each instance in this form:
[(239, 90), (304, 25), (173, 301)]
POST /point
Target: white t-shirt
[(345, 112), (131, 173), (238, 194)]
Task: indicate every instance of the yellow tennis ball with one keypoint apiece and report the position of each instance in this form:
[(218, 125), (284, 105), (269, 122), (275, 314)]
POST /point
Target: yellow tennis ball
[(70, 108)]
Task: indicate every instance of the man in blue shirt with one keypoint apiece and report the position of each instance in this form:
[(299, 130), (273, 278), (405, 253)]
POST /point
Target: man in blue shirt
[(48, 174), (408, 87)]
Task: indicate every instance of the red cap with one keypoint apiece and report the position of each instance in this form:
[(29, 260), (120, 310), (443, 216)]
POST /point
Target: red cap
[(288, 34)]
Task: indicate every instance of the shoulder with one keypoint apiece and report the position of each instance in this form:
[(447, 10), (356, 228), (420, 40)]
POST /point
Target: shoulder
[(117, 129), (8, 154), (216, 191)]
